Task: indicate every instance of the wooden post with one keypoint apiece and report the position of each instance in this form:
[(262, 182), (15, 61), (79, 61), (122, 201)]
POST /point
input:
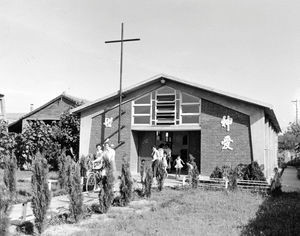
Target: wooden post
[(24, 210)]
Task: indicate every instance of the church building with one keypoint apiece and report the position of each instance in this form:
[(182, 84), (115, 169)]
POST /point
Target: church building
[(216, 127)]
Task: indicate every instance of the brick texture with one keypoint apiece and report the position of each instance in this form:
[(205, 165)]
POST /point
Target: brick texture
[(99, 133), (212, 133)]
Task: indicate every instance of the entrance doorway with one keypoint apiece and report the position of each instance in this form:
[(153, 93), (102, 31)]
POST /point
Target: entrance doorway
[(182, 143)]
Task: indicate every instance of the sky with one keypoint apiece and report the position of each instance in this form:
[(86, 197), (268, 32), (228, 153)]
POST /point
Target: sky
[(249, 48)]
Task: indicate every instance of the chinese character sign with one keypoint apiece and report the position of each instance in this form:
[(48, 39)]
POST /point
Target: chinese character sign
[(226, 122), (108, 122), (226, 142)]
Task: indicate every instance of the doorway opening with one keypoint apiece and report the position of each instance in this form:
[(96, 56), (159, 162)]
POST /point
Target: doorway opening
[(181, 143)]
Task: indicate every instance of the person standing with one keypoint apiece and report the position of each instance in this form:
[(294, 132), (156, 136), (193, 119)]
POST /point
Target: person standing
[(178, 166), (155, 160), (110, 154)]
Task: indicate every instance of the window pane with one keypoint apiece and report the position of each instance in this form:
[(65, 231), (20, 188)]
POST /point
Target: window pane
[(188, 98), (143, 100), (190, 108), (190, 119), (165, 98), (142, 110), (142, 120)]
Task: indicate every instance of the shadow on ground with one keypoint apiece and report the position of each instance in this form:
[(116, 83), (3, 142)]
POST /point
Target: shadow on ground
[(278, 215)]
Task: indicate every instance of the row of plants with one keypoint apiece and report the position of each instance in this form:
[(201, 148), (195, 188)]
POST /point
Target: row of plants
[(250, 171), (38, 136)]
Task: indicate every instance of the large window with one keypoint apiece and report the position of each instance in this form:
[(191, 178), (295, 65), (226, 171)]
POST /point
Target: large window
[(190, 109), (142, 110), (166, 106)]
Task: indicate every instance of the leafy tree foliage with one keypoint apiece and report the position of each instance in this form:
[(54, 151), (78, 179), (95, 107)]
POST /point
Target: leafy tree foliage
[(7, 140), (40, 193), (36, 137), (66, 132), (290, 138), (40, 137)]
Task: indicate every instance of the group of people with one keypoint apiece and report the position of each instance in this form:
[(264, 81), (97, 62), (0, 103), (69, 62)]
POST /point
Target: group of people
[(102, 155), (163, 154)]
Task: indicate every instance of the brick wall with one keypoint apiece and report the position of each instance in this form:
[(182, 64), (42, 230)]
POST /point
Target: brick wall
[(99, 133), (53, 110), (212, 133)]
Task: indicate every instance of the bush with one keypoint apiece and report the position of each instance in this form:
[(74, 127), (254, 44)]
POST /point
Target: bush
[(148, 182), (75, 191), (84, 165), (64, 163), (40, 192), (240, 170), (126, 184), (26, 227), (106, 194), (160, 175), (217, 173), (254, 172), (194, 174), (295, 162), (4, 210), (10, 174)]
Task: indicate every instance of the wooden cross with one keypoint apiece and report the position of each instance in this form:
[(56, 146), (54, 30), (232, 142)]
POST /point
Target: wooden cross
[(121, 70)]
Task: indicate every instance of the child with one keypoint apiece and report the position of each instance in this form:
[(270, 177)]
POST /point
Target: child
[(178, 166), (143, 171)]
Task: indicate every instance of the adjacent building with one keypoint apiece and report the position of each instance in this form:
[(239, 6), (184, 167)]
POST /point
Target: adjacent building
[(49, 112), (216, 127)]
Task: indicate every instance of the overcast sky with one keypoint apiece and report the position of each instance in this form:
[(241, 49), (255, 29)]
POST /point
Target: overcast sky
[(250, 48)]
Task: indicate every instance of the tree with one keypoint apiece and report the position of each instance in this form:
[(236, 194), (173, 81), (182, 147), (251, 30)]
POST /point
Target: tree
[(40, 193), (5, 202), (126, 184), (10, 174), (148, 182), (106, 194), (66, 132), (290, 138), (160, 175), (75, 191), (64, 163)]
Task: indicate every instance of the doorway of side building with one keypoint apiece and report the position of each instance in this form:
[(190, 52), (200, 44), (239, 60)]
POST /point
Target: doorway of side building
[(182, 143)]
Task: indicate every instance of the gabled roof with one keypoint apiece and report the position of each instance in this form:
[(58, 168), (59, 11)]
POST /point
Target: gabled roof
[(267, 107), (73, 99)]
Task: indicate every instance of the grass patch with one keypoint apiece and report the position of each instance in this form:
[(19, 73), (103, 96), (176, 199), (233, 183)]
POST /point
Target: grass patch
[(178, 212), (276, 216)]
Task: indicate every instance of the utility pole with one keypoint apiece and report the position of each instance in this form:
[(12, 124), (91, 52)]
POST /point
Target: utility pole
[(296, 101), (121, 72)]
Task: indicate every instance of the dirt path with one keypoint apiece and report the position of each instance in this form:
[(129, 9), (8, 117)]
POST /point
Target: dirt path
[(60, 204), (290, 182)]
